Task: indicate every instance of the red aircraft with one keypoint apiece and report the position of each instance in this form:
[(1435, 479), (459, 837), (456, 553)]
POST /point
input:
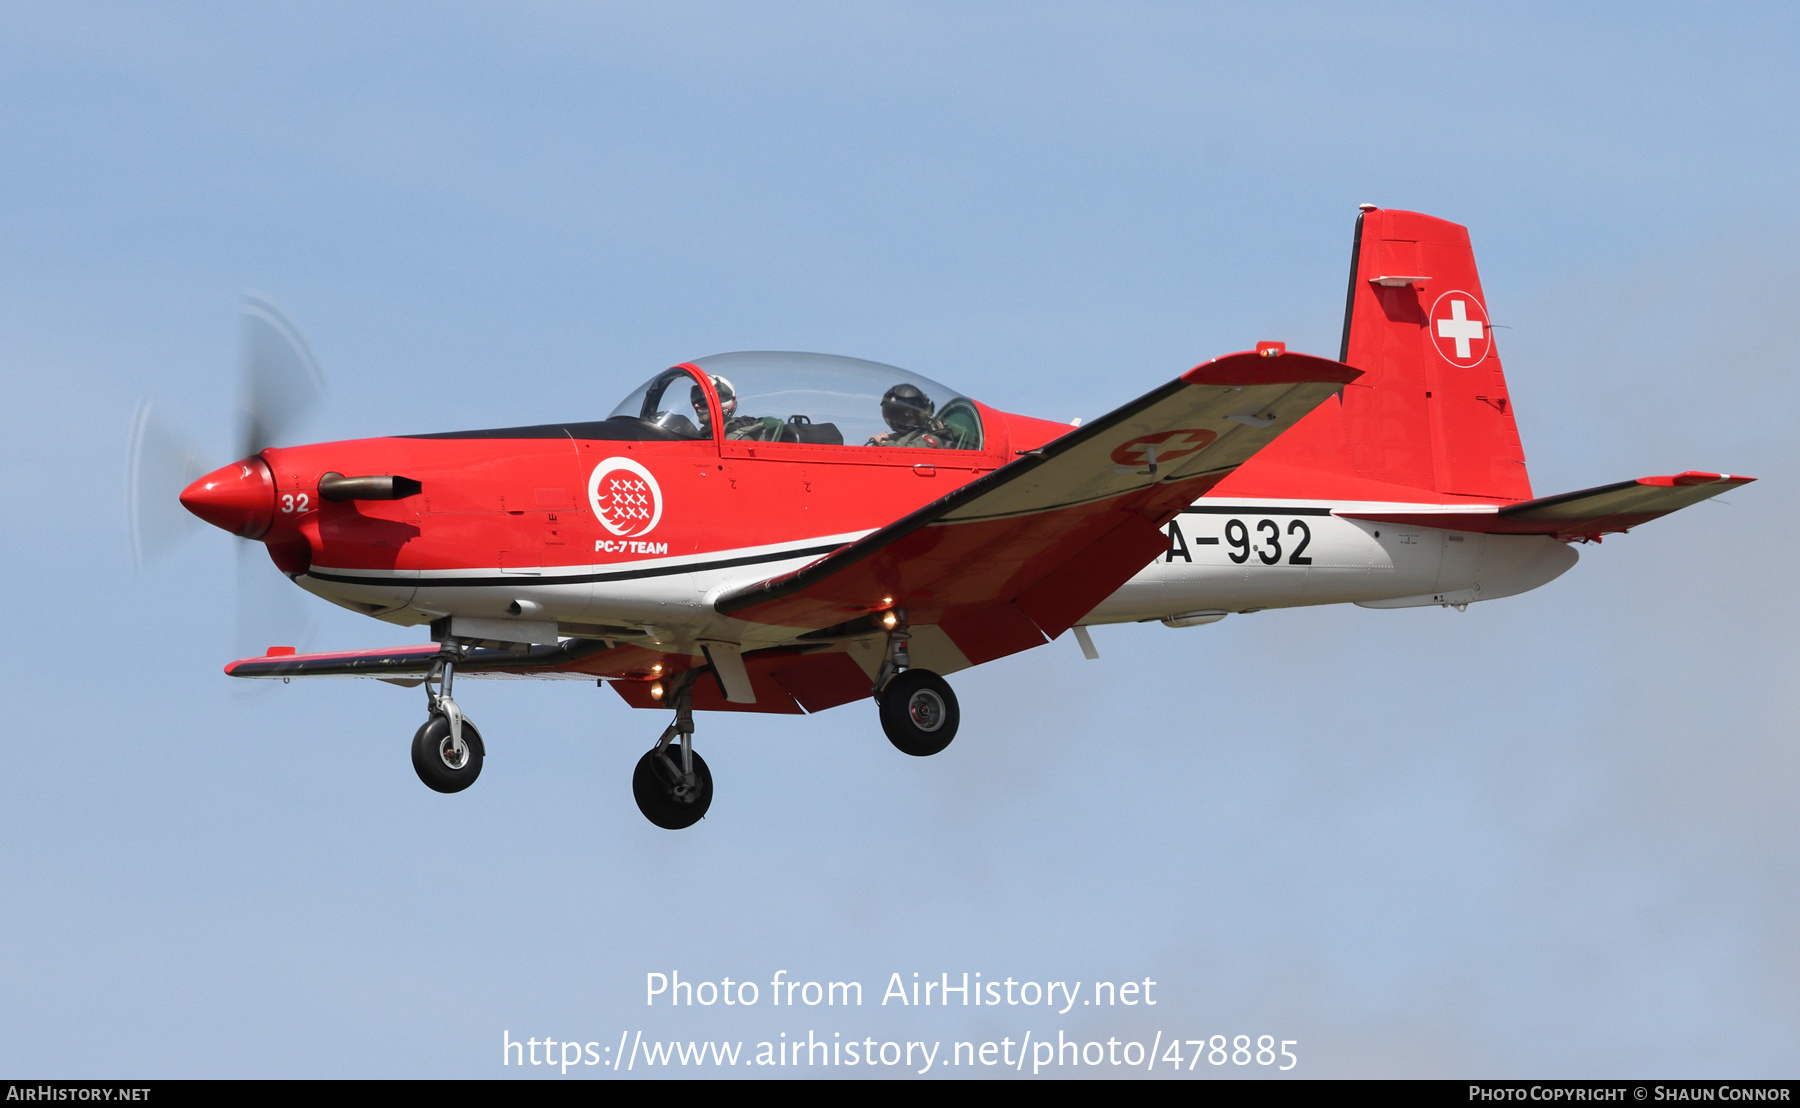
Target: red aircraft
[(785, 532)]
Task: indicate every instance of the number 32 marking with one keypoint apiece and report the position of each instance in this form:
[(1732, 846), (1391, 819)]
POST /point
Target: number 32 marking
[(1237, 536), (292, 502)]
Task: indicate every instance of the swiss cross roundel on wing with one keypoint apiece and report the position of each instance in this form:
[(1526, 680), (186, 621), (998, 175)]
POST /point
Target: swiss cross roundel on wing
[(1164, 446), (1459, 326), (625, 497)]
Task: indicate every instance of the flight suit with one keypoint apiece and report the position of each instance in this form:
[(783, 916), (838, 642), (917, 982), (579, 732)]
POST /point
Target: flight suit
[(932, 437)]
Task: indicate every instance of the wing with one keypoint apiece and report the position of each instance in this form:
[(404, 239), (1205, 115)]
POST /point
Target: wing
[(1028, 549), (1584, 515), (407, 665), (790, 680)]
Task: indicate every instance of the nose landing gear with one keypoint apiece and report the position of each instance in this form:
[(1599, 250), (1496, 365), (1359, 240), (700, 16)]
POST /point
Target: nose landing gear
[(918, 711), (672, 784), (446, 751)]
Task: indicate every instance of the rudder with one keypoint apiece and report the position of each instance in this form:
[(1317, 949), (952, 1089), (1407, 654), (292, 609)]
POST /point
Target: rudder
[(1417, 326), (1431, 412)]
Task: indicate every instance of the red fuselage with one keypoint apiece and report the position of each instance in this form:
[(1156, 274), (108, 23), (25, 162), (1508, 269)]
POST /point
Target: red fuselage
[(493, 502)]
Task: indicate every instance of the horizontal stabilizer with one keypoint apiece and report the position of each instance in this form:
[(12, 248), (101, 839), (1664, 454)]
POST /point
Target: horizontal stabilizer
[(1584, 515)]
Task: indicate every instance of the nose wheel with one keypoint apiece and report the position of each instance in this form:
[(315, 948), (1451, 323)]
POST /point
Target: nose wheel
[(439, 762), (446, 750)]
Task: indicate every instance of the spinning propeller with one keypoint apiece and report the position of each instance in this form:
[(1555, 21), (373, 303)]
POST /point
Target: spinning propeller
[(279, 383)]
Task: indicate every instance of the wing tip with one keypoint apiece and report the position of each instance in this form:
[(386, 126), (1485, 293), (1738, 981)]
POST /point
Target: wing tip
[(1693, 477), (1269, 366)]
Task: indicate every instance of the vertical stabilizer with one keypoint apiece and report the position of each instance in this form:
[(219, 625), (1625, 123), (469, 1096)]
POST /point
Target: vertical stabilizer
[(1431, 413)]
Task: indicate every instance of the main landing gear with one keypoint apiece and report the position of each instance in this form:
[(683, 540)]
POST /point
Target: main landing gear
[(447, 750), (918, 710), (672, 785)]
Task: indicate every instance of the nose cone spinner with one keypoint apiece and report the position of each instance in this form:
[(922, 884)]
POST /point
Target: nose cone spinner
[(239, 498)]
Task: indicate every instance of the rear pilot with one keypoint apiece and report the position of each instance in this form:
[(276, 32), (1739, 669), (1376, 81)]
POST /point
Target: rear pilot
[(910, 419)]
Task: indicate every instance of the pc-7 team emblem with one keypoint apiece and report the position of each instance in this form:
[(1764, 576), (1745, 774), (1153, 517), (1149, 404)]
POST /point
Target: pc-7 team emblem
[(625, 498)]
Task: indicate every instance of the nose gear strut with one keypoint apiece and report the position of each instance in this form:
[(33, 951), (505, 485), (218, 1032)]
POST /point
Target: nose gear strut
[(447, 751), (437, 699)]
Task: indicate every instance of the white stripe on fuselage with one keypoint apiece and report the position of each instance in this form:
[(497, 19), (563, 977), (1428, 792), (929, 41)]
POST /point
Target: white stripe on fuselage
[(673, 595), (1225, 555), (679, 563)]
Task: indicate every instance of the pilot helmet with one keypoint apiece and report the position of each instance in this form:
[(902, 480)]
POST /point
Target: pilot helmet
[(727, 398), (906, 408)]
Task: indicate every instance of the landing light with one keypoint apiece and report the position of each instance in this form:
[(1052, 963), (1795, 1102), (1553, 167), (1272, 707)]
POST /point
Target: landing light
[(888, 621), (656, 691)]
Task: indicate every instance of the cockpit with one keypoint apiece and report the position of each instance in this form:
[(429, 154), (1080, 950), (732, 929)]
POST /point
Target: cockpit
[(821, 399)]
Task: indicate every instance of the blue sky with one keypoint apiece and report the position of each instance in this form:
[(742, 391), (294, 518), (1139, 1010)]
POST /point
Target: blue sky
[(1552, 835)]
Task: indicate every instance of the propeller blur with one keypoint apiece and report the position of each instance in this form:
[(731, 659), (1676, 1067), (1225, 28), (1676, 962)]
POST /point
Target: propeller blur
[(279, 384)]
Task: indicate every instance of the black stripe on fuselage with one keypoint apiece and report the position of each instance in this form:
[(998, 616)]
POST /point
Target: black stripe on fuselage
[(1251, 510), (516, 580), (618, 429)]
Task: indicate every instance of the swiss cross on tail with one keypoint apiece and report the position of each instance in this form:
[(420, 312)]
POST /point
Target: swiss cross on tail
[(1459, 327)]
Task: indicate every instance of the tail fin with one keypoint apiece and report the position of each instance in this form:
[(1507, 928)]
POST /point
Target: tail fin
[(1431, 412)]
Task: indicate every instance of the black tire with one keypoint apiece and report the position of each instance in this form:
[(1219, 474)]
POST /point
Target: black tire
[(431, 756), (919, 713), (654, 787)]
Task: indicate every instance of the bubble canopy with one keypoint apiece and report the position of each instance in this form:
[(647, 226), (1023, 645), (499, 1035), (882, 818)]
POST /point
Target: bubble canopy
[(821, 399)]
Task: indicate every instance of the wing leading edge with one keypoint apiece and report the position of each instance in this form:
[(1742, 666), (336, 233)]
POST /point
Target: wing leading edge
[(573, 658), (1023, 552), (791, 680)]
